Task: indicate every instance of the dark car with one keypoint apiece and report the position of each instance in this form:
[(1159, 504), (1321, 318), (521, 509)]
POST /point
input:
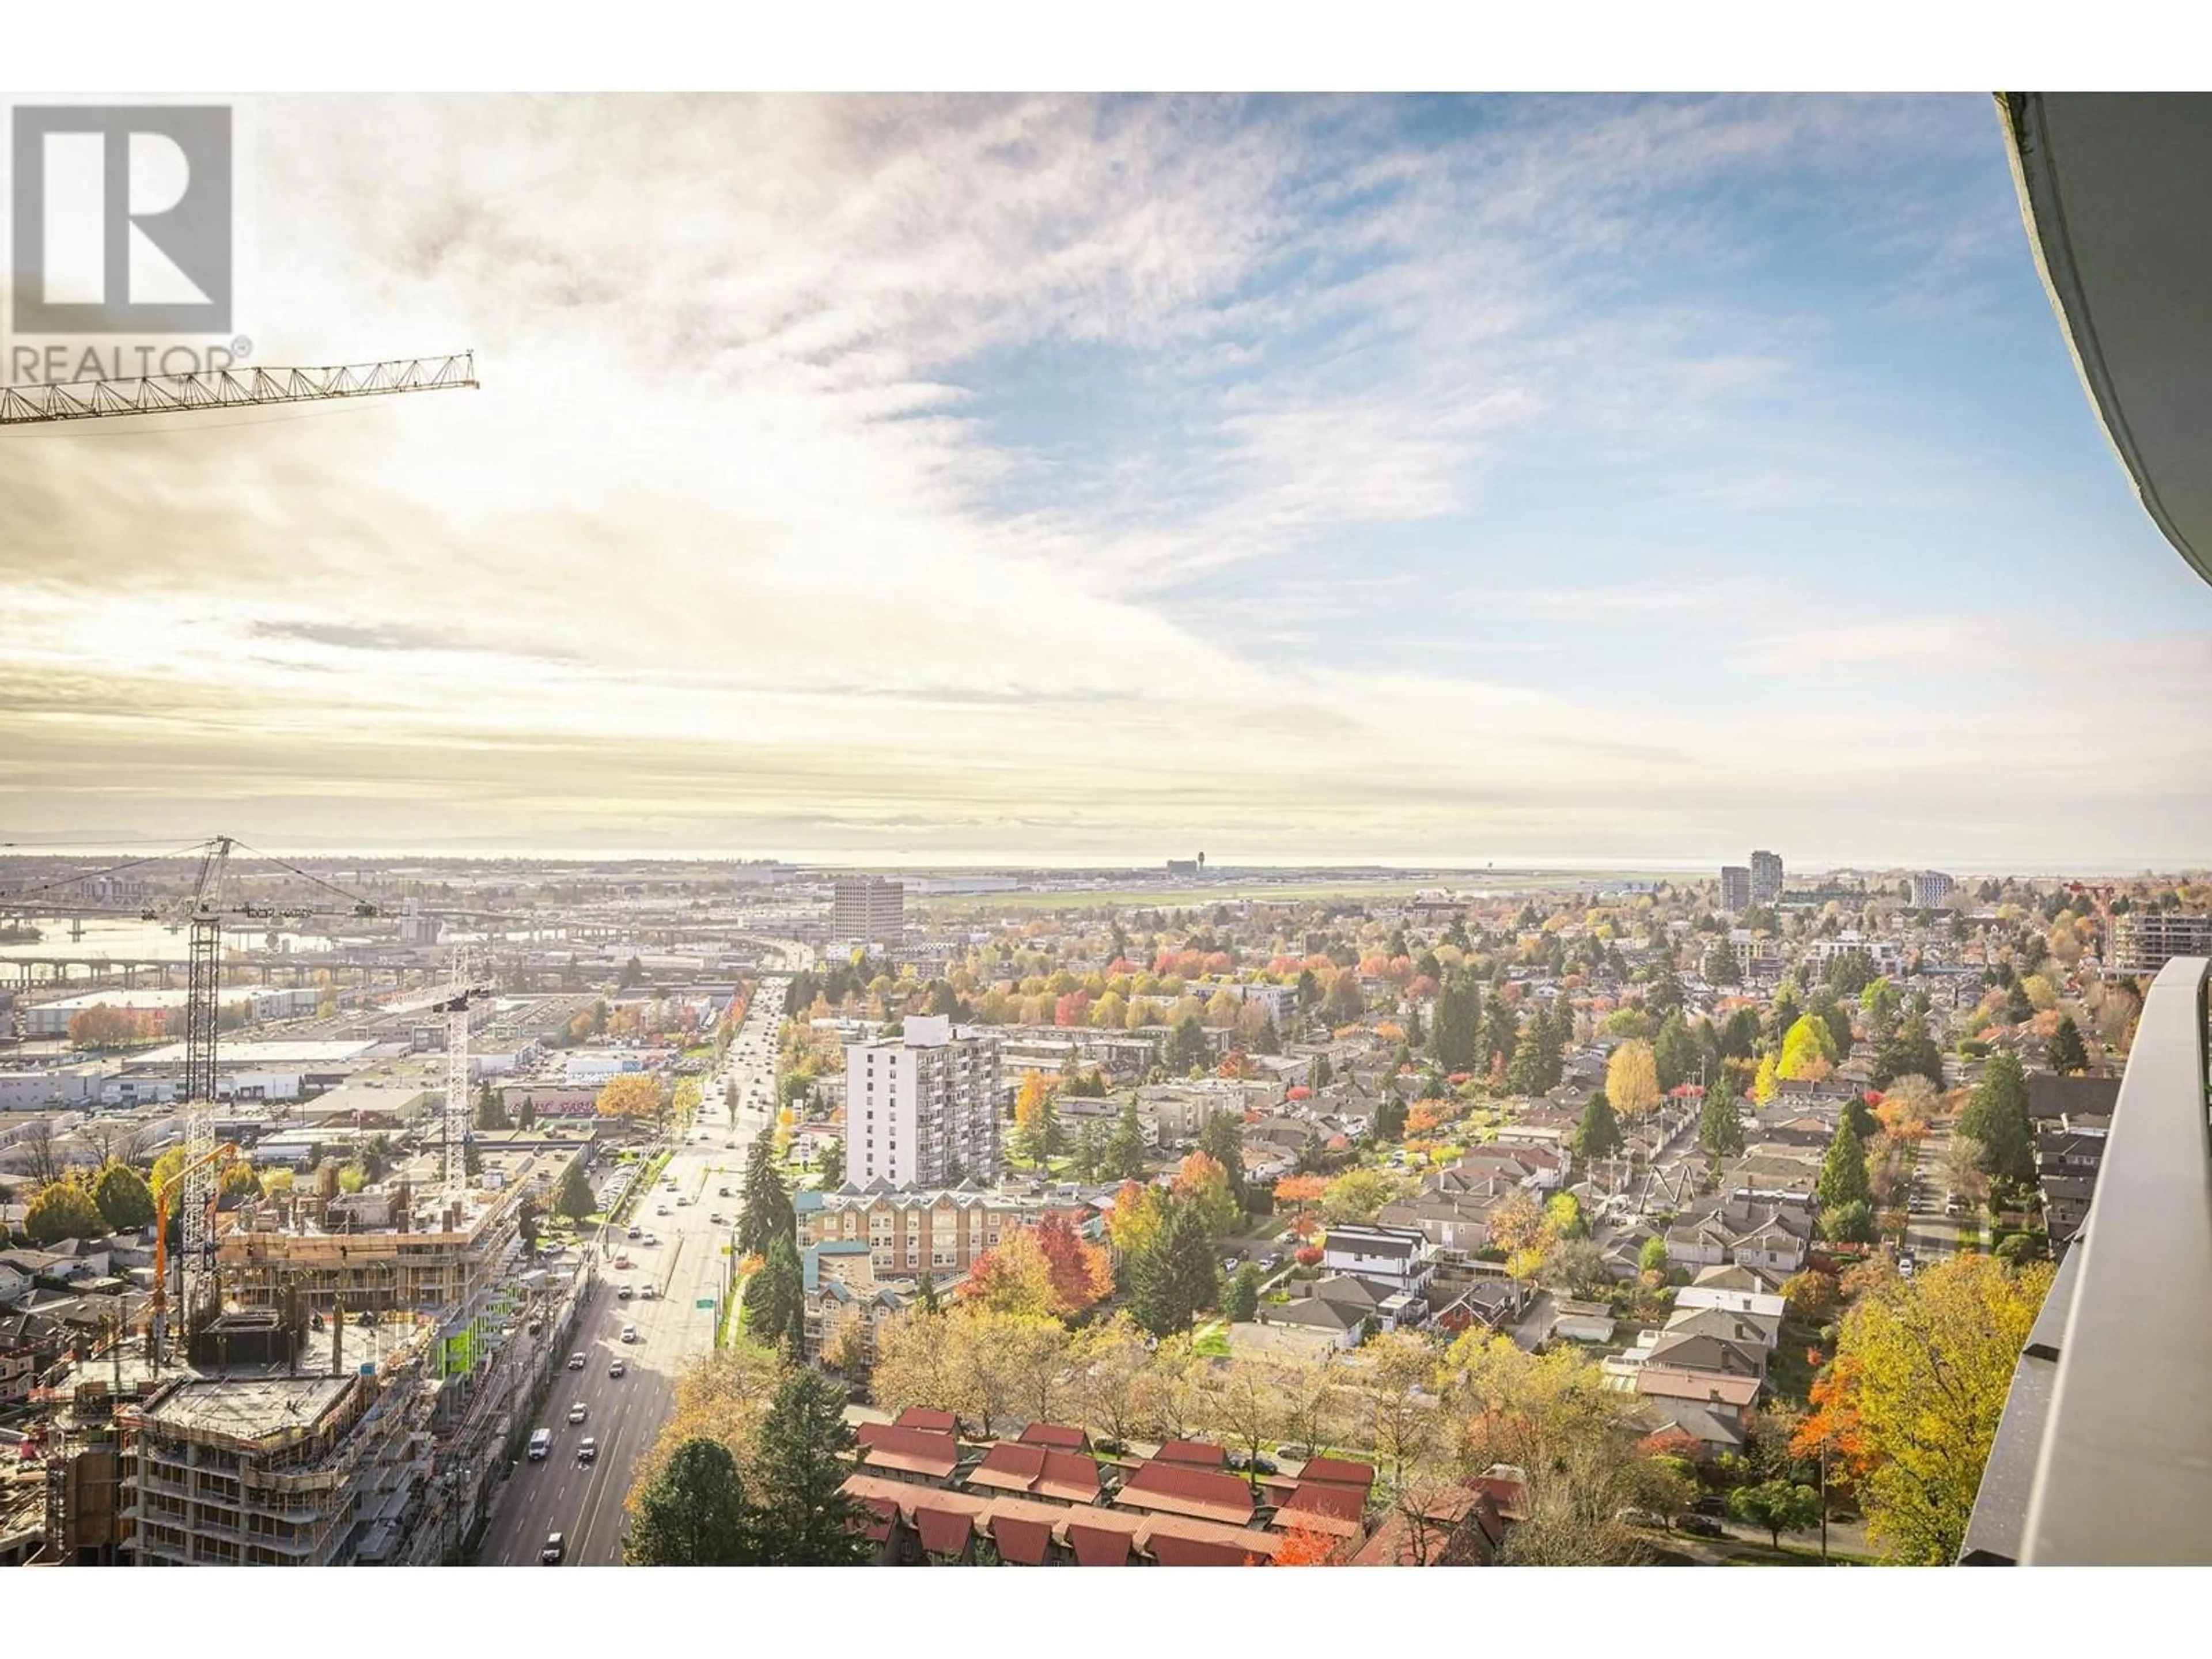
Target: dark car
[(1703, 1525), (1241, 1463), (587, 1450), (556, 1547)]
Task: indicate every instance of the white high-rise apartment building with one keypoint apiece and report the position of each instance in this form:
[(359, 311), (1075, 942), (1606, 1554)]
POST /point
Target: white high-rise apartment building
[(869, 910), (923, 1107), (1929, 889)]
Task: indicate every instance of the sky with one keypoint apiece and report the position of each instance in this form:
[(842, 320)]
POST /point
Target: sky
[(1425, 481)]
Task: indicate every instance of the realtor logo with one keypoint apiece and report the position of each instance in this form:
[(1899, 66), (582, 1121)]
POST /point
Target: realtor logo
[(123, 218)]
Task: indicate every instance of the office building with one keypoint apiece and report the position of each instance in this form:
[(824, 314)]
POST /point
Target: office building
[(869, 910), (1765, 878), (1735, 887), (923, 1107)]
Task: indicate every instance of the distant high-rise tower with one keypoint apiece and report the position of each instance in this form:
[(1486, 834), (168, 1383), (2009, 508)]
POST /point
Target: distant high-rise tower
[(871, 910), (1735, 887), (1765, 878)]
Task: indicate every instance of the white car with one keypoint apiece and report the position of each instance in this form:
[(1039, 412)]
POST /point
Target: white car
[(578, 1412)]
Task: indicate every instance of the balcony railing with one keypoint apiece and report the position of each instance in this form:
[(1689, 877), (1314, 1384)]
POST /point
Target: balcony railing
[(2104, 1455)]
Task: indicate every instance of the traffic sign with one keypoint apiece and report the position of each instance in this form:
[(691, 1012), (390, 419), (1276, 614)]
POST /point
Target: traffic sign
[(705, 1301)]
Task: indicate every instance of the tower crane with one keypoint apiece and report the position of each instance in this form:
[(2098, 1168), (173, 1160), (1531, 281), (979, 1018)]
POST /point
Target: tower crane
[(232, 388), (206, 913)]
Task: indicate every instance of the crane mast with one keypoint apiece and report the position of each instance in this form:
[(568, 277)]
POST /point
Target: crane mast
[(455, 1007), (202, 1015)]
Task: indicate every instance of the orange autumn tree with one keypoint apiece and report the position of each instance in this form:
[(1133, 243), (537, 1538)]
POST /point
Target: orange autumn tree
[(1012, 1277), (1030, 1102), (1301, 1547), (1201, 1182), (1293, 1191), (1082, 1273)]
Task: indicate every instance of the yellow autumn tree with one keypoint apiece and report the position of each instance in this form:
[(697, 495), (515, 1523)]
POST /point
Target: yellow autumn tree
[(1763, 1086), (1631, 1079), (1030, 1100), (632, 1095), (1922, 1367)]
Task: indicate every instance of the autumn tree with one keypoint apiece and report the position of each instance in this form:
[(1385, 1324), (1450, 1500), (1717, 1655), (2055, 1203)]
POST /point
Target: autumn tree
[(1202, 1185), (634, 1095), (1112, 1364), (1631, 1079), (124, 1200), (59, 1210), (1357, 1195), (1778, 1506), (1082, 1273), (1921, 1374), (1809, 1050)]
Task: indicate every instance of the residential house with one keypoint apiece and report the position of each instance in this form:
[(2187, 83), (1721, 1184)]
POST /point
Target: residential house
[(892, 1453), (1399, 1257), (1178, 1489)]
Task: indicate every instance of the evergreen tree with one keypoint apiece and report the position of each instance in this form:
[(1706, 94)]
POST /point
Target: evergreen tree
[(1186, 1045), (775, 1298), (2066, 1053), (1861, 1117), (1090, 1144), (1241, 1303), (1390, 1119), (1501, 1035), (1676, 1053), (1270, 1040), (1221, 1137), (1323, 1075), (1720, 1125), (1456, 1030), (472, 1159), (925, 1291), (1598, 1135), (1721, 965), (829, 1171), (765, 1214), (527, 1117), (1125, 1148), (694, 1513), (1842, 1171), (1176, 1279), (1910, 1052), (573, 1197), (802, 1516), (2018, 1009), (1414, 1035), (491, 1110), (1996, 1116)]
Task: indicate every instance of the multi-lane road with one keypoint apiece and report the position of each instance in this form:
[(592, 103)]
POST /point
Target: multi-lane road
[(689, 1269)]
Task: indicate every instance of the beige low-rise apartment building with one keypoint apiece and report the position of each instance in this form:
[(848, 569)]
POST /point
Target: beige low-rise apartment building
[(911, 1231)]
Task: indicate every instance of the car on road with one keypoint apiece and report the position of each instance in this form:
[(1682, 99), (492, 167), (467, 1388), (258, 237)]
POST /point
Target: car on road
[(617, 1366), (629, 1333), (587, 1450), (722, 1192), (637, 1233), (621, 1261), (653, 1239), (541, 1442), (575, 1361), (1269, 1262), (660, 1209), (1704, 1526), (681, 1201), (624, 1294), (716, 1217), (646, 1292), (578, 1412), (556, 1547)]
